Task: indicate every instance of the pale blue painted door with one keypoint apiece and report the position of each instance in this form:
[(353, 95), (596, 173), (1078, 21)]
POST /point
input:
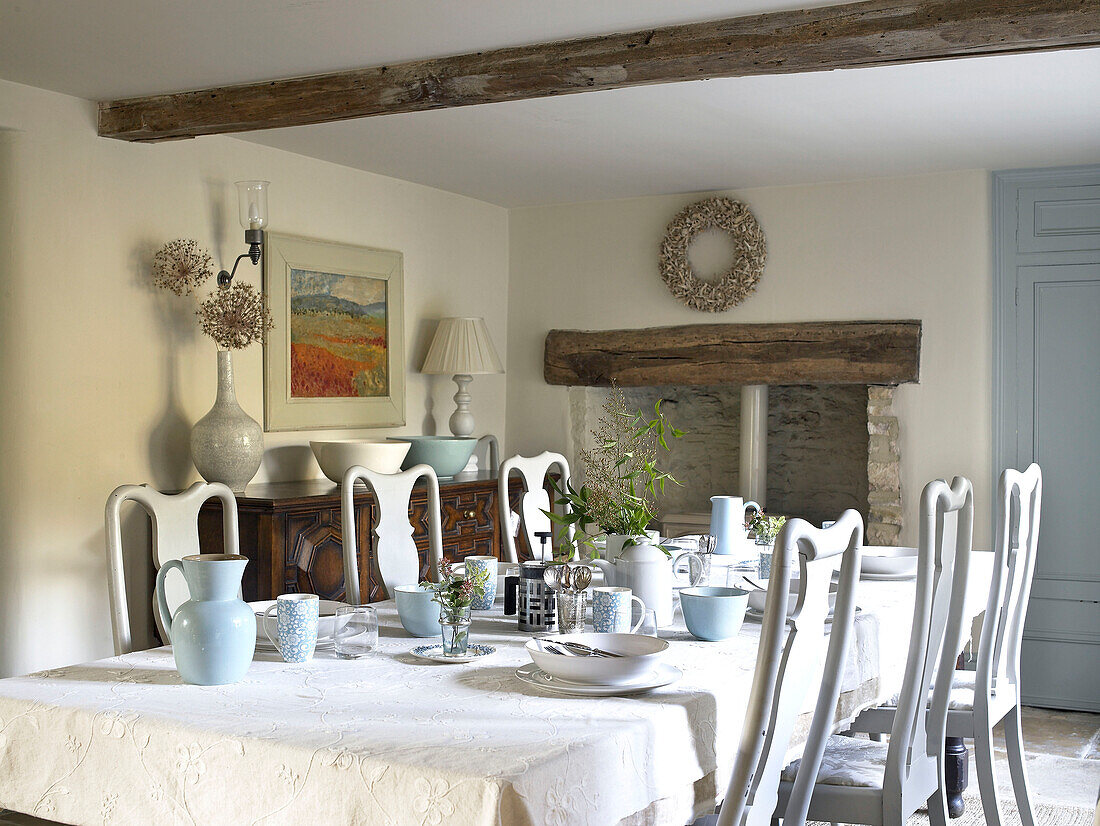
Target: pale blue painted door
[(1047, 392)]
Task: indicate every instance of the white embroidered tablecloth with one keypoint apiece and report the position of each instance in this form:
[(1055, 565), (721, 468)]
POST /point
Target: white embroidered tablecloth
[(389, 739)]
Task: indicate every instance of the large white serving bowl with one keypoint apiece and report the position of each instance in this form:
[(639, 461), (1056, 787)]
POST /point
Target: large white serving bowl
[(379, 455), (641, 656), (886, 560), (757, 599), (326, 621)]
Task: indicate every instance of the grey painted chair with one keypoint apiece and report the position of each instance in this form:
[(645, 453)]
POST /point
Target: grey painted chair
[(535, 500), (395, 551), (863, 781), (788, 660), (980, 699), (175, 521)]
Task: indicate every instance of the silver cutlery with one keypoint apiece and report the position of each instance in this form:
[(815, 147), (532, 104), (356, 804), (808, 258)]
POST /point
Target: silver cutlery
[(588, 650), (582, 577)]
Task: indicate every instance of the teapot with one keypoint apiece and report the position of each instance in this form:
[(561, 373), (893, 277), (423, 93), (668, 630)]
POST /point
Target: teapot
[(647, 571)]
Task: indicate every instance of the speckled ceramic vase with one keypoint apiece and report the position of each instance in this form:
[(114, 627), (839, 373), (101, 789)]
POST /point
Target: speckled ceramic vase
[(227, 444)]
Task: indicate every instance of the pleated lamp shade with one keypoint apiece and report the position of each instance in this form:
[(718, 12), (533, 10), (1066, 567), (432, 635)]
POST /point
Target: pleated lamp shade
[(462, 346)]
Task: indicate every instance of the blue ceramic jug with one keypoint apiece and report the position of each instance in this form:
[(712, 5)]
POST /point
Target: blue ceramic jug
[(727, 524), (213, 634)]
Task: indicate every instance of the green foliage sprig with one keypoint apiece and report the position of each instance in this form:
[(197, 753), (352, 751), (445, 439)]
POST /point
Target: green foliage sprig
[(766, 528), (622, 476), (454, 590)]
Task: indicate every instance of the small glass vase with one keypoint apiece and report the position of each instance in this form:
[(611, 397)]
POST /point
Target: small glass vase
[(455, 624), (766, 550)]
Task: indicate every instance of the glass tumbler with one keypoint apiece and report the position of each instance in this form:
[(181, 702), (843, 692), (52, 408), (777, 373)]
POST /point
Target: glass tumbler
[(356, 631), (571, 608)]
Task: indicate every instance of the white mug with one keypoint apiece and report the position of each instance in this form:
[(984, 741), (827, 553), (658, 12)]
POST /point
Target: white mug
[(296, 624), (611, 610)]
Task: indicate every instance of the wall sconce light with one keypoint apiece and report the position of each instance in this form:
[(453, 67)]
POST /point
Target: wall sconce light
[(252, 201)]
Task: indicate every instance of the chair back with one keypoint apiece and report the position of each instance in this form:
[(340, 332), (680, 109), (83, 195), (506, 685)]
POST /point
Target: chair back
[(175, 534), (913, 769), (533, 502), (395, 551), (492, 449), (1019, 498), (786, 667)]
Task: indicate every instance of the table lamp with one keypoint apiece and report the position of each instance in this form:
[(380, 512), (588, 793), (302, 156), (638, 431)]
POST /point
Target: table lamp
[(463, 348)]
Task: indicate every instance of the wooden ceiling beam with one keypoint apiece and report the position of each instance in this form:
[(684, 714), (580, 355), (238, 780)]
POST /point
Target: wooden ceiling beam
[(854, 35), (813, 352)]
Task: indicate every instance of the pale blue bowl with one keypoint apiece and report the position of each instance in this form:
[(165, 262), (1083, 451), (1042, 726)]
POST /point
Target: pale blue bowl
[(418, 614), (447, 455), (714, 613)]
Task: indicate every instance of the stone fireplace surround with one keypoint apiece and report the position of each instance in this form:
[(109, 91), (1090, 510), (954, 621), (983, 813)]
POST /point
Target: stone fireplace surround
[(832, 436)]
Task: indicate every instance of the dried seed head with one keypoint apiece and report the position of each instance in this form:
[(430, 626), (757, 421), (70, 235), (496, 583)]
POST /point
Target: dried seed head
[(235, 316), (181, 266)]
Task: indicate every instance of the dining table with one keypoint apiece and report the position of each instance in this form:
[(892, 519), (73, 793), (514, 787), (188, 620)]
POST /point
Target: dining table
[(392, 739)]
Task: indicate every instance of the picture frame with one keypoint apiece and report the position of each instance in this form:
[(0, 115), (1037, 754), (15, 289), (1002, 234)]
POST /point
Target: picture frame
[(335, 357)]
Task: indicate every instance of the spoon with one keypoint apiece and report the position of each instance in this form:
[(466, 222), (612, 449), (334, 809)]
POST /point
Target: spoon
[(552, 577), (582, 578), (567, 578), (753, 584)]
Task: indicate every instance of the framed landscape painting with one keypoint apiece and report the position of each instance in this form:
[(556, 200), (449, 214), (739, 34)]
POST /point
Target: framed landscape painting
[(335, 357)]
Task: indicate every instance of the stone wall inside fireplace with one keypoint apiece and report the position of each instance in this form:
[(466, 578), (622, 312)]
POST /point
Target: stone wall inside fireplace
[(830, 447)]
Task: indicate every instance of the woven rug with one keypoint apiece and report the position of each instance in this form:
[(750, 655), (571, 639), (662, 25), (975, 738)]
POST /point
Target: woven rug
[(1045, 815)]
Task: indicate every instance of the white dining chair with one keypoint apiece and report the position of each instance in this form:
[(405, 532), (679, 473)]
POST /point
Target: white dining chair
[(492, 450), (863, 781), (395, 553), (533, 471), (790, 657), (980, 699), (175, 534)]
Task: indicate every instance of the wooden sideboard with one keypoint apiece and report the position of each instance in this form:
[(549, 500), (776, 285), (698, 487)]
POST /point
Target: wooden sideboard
[(292, 532)]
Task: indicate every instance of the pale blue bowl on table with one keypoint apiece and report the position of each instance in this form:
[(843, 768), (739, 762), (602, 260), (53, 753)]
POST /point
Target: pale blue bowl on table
[(446, 455), (713, 613), (419, 615)]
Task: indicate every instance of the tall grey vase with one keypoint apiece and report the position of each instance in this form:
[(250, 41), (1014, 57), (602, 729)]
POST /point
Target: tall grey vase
[(227, 444)]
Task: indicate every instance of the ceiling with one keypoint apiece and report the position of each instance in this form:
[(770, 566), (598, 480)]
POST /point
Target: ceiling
[(1001, 112)]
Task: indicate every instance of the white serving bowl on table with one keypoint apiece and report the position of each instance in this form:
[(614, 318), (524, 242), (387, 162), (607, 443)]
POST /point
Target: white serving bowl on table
[(641, 657), (888, 561), (757, 599), (379, 455), (326, 621)]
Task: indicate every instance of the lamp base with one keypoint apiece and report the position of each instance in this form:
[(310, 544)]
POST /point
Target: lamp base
[(462, 420)]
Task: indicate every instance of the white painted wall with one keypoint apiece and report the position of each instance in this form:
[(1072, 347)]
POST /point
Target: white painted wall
[(915, 247), (101, 376)]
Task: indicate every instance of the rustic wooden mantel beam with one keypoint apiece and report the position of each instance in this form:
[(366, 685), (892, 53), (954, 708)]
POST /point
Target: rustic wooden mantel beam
[(853, 35), (816, 352)]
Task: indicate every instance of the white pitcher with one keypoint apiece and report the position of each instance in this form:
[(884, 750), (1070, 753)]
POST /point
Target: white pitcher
[(727, 523), (645, 570)]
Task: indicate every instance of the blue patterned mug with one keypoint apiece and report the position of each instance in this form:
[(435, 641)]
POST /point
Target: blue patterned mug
[(296, 623), (611, 610), (475, 565)]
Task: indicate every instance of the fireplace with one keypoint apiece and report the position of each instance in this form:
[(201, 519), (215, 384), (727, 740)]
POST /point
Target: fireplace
[(829, 440)]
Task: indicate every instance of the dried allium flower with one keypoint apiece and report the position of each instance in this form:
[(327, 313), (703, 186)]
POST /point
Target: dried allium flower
[(181, 266), (235, 316)]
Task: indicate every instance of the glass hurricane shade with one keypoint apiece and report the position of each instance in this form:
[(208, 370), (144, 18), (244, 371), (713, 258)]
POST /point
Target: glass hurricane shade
[(252, 203)]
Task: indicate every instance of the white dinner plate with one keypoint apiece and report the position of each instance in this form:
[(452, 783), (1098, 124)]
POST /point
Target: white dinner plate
[(752, 615), (531, 674), (864, 575), (322, 645), (474, 651)]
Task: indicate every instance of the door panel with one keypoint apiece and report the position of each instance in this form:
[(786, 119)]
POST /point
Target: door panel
[(1049, 384)]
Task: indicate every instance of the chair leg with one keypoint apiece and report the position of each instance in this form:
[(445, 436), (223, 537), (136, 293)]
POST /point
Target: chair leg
[(876, 736), (937, 804), (983, 767), (1014, 745)]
